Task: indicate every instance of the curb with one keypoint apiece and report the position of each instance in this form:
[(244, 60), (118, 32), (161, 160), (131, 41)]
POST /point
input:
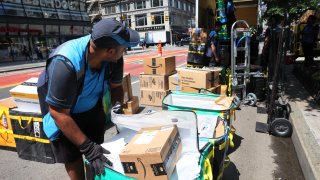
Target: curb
[(21, 67), (304, 141), (306, 148)]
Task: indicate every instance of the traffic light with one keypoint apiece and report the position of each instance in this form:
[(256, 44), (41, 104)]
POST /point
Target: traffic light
[(166, 18), (123, 17), (152, 18)]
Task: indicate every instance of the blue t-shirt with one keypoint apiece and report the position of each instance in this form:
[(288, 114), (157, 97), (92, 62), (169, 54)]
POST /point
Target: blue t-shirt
[(63, 87)]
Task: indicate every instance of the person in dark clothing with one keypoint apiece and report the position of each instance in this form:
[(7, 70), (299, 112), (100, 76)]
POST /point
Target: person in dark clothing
[(211, 56), (26, 53), (309, 37)]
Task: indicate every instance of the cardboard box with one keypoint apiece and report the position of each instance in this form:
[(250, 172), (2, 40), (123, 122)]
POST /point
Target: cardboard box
[(174, 82), (215, 77), (195, 78), (132, 106), (222, 90), (127, 88), (152, 153), (160, 65), (156, 82), (152, 97), (26, 96)]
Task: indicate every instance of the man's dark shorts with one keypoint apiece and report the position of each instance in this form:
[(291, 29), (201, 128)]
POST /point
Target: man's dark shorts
[(91, 123)]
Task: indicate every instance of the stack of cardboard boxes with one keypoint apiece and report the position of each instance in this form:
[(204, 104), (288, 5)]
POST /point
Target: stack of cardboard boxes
[(130, 102), (193, 80), (154, 81)]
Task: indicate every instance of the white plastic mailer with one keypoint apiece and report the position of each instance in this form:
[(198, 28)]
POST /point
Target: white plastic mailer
[(208, 102), (188, 165)]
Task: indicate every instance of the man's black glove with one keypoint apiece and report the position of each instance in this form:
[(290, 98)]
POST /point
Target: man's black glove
[(94, 154), (118, 108)]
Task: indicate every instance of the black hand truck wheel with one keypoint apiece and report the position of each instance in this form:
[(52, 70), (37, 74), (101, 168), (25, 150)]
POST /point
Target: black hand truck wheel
[(281, 127)]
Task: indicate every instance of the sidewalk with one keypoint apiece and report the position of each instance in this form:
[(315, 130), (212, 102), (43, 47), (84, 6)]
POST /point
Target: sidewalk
[(305, 118)]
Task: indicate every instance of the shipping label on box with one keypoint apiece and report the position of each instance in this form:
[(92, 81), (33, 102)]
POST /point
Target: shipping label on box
[(195, 78), (152, 153), (174, 82), (156, 82), (152, 97), (160, 65)]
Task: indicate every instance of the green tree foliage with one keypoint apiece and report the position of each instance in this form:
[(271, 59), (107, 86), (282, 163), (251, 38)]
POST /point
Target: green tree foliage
[(295, 8)]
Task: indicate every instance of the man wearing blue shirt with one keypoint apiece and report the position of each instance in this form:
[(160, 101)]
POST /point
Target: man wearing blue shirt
[(75, 109), (212, 47)]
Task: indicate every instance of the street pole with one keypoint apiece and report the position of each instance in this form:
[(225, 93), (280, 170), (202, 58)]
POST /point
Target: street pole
[(197, 12), (170, 26)]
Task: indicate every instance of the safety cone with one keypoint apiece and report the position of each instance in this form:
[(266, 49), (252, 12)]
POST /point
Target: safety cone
[(159, 48)]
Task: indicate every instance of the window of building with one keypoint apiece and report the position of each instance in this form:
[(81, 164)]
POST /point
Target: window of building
[(3, 29), (140, 5), (77, 30), (156, 3), (158, 18), (192, 9), (33, 11), (110, 9), (66, 30), (63, 14), (82, 6), (179, 4), (2, 10), (141, 20), (75, 15), (52, 29), (184, 7), (125, 7), (13, 1), (35, 29), (13, 9), (31, 2), (87, 30), (189, 8), (17, 29), (74, 5), (49, 13), (85, 16)]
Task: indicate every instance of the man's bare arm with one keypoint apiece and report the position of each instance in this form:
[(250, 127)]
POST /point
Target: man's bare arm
[(67, 125), (116, 93)]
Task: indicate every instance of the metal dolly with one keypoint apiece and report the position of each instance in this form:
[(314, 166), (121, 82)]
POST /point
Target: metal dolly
[(242, 71)]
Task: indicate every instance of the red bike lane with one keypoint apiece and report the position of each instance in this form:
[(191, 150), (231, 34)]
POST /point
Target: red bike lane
[(133, 64)]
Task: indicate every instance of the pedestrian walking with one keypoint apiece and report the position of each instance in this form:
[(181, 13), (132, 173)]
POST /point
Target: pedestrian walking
[(26, 53), (309, 37), (38, 52)]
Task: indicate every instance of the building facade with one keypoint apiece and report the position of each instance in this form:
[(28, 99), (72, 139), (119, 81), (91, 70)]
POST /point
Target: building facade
[(35, 27), (148, 16)]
